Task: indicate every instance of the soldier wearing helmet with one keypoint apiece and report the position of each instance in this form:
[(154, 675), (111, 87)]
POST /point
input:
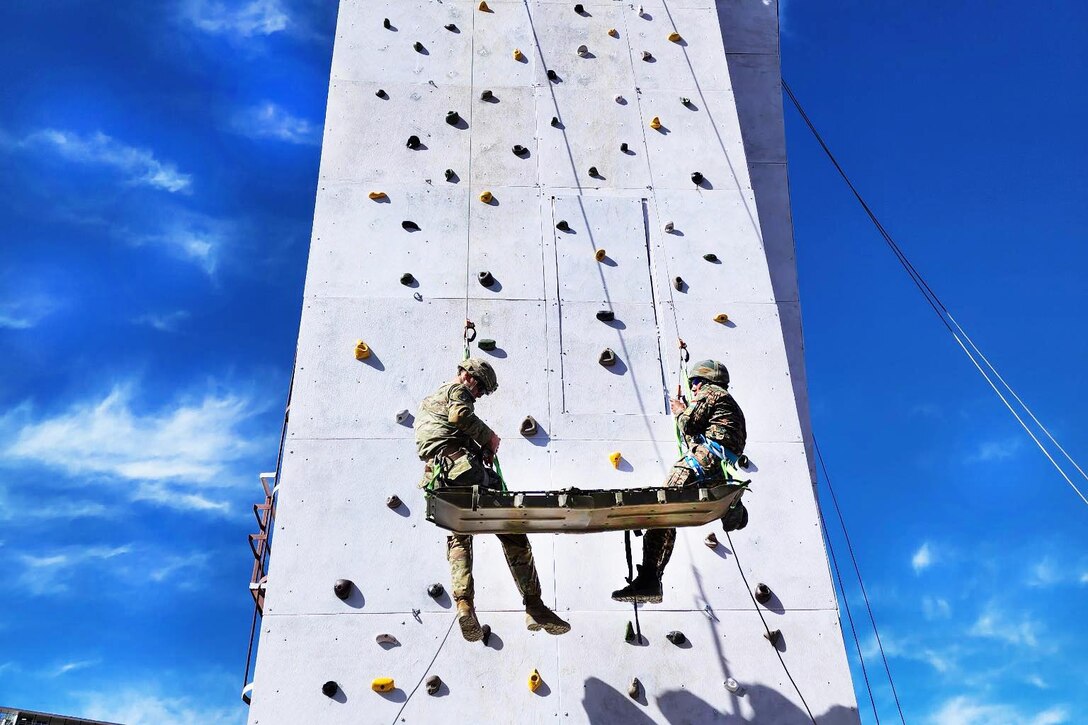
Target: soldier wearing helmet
[(713, 418), (459, 446)]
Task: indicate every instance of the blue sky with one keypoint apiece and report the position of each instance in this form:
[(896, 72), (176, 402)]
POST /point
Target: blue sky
[(159, 169)]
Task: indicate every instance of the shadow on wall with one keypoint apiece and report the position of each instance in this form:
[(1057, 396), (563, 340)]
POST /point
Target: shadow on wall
[(605, 705)]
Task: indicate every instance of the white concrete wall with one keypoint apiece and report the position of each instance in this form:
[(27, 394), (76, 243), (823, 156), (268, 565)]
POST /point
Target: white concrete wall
[(346, 453)]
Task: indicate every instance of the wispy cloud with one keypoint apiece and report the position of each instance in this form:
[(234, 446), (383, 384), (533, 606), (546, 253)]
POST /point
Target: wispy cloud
[(936, 608), (164, 321), (26, 311), (256, 17), (990, 451), (269, 120), (968, 710), (151, 705), (73, 666), (46, 573), (893, 647), (995, 624), (138, 165), (1045, 573), (923, 558)]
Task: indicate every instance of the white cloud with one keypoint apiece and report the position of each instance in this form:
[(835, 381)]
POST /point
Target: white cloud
[(163, 322), (936, 608), (151, 706), (46, 574), (991, 451), (73, 666), (1044, 573), (179, 569), (139, 165), (965, 710), (269, 120), (256, 17), (939, 661), (997, 625), (1084, 578), (1038, 681), (923, 558), (26, 311)]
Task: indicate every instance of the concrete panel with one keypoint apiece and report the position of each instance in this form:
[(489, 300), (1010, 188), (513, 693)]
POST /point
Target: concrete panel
[(694, 65), (507, 120), (560, 31), (749, 26), (617, 226), (506, 240), (770, 182), (758, 88), (495, 36)]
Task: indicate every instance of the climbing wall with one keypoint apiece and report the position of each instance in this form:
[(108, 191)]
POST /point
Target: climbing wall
[(598, 157)]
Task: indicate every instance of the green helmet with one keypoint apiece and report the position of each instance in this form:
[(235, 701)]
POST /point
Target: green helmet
[(483, 372), (711, 371)]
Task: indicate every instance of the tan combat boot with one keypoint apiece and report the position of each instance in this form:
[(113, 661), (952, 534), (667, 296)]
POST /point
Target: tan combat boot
[(538, 616), (466, 618)]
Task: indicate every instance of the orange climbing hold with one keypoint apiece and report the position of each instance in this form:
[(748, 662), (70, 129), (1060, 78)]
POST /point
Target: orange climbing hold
[(613, 32), (484, 8), (486, 197), (599, 255), (615, 458), (518, 55), (722, 318), (382, 684), (378, 195), (362, 350), (534, 681), (655, 122), (675, 37)]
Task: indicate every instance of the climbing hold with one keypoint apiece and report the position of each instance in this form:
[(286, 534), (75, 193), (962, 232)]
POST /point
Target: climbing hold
[(655, 123), (774, 636), (483, 7), (520, 150), (377, 195), (676, 637), (409, 226), (635, 689), (434, 684), (641, 11), (629, 633), (486, 197), (710, 257), (552, 75), (711, 541), (623, 147), (578, 8), (486, 344), (487, 634), (418, 46), (387, 639), (402, 415), (330, 688), (381, 94), (528, 426), (518, 55), (613, 32), (675, 37), (486, 95), (607, 358), (451, 27), (599, 255), (721, 318), (386, 24), (413, 142), (647, 56), (393, 502), (732, 685), (407, 279), (678, 284), (534, 681), (593, 172), (743, 462), (763, 593), (486, 278), (669, 227), (452, 118), (685, 102), (362, 350), (614, 458), (382, 684), (342, 588), (563, 226), (435, 590), (450, 175), (583, 51), (696, 178), (606, 315), (621, 100), (555, 121)]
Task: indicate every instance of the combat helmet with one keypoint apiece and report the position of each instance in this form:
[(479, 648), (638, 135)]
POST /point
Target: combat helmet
[(711, 371), (482, 371)]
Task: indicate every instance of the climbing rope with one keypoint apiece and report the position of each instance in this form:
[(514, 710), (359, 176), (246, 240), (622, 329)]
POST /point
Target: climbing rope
[(949, 322), (430, 664)]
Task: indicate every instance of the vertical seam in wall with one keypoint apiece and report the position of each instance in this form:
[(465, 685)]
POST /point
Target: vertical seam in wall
[(468, 174)]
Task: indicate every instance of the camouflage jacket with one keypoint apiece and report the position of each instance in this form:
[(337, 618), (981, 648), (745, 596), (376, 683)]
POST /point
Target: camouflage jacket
[(713, 413), (447, 419)]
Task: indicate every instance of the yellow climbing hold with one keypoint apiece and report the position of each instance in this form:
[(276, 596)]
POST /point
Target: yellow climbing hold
[(376, 195), (484, 8), (382, 684), (722, 318), (599, 255), (518, 55), (675, 37), (534, 681), (655, 122), (486, 197), (615, 459), (613, 32), (362, 350)]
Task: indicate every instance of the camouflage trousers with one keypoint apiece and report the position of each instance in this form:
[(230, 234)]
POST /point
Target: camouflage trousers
[(657, 544)]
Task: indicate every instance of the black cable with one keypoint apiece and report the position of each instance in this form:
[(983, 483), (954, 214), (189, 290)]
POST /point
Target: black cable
[(861, 582)]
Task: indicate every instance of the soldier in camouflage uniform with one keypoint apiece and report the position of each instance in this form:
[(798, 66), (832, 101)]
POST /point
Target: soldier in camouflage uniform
[(451, 438), (713, 415)]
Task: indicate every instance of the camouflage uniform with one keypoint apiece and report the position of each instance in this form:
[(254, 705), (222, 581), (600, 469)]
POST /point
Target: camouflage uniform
[(457, 449)]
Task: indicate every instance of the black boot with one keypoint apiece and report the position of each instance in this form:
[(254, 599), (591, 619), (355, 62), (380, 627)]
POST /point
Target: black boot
[(646, 588)]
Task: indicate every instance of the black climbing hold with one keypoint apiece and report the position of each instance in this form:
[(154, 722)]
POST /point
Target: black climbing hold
[(696, 178), (486, 344), (606, 315), (451, 27), (381, 94), (555, 121), (452, 118), (486, 278), (520, 150), (409, 225), (607, 358), (407, 279), (579, 8), (386, 24), (774, 636), (487, 634), (434, 683), (435, 590), (552, 75), (393, 502), (414, 142), (450, 175), (634, 689), (418, 46), (647, 56), (528, 426), (763, 593), (686, 101), (743, 461), (678, 283), (593, 172), (486, 95), (342, 588), (563, 226), (629, 633), (676, 637), (710, 257), (623, 147), (330, 688)]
